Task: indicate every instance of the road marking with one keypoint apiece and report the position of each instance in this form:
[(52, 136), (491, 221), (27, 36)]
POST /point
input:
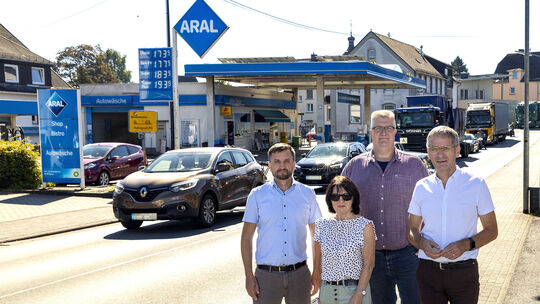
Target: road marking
[(116, 265)]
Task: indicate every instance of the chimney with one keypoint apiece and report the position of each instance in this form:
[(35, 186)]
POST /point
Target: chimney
[(351, 44), (313, 57)]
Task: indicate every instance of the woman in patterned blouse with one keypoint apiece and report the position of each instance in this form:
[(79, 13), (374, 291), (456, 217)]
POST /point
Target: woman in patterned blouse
[(346, 245)]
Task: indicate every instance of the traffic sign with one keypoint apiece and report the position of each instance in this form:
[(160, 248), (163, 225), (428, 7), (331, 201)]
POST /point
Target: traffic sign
[(155, 74), (201, 27)]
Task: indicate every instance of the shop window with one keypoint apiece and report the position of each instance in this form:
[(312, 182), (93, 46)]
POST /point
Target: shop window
[(354, 116), (11, 73), (38, 76)]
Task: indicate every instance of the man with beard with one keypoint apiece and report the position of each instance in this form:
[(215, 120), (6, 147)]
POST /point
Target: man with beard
[(280, 210)]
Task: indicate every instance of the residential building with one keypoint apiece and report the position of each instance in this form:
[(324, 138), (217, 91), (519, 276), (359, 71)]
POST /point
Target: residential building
[(513, 87)]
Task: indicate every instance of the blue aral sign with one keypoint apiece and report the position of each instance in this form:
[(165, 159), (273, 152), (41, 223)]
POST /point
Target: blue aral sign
[(155, 74), (59, 134), (201, 27)]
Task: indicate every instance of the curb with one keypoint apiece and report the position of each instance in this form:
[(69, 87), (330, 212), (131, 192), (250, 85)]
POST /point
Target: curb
[(67, 193)]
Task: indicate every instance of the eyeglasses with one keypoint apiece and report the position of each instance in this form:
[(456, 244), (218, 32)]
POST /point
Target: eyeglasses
[(437, 149), (344, 196), (379, 129)]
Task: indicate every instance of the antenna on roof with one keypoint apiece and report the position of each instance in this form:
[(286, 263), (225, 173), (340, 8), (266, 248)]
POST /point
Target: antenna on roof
[(351, 27), (389, 35)]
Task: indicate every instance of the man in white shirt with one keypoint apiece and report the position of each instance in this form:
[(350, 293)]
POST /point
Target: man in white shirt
[(443, 215)]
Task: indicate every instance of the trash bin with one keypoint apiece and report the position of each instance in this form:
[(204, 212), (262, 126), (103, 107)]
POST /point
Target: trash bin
[(296, 141)]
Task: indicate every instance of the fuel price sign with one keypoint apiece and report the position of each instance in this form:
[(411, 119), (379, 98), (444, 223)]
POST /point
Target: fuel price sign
[(155, 74)]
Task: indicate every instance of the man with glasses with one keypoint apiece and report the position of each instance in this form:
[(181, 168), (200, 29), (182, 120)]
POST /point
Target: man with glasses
[(443, 216), (385, 178)]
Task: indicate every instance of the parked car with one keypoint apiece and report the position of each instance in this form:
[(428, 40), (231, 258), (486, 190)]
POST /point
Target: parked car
[(472, 142), (104, 162), (397, 144), (325, 161), (193, 182)]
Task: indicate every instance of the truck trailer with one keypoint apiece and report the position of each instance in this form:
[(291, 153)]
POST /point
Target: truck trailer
[(489, 119), (534, 114)]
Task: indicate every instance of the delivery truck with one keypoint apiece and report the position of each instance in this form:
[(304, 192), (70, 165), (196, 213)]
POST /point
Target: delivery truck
[(489, 119)]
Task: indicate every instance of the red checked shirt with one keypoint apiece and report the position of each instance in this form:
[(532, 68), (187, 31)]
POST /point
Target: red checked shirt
[(385, 197)]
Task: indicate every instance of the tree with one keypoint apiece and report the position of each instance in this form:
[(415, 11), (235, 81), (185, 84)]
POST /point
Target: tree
[(85, 64), (459, 66)]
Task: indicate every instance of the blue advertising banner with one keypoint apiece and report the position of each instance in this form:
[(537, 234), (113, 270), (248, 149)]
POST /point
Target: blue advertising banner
[(201, 27), (155, 74), (59, 132)]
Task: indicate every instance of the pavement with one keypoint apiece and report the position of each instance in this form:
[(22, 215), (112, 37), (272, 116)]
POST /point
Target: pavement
[(508, 266)]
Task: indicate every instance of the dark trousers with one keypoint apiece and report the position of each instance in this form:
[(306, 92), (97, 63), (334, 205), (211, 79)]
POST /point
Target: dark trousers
[(395, 267), (441, 286), (294, 286)]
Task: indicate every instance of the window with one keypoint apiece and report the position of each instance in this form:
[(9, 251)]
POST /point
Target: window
[(35, 120), (248, 157), (512, 91), (514, 75), (371, 54), (328, 113), (354, 111), (300, 98), (389, 106), (120, 151), (309, 94), (239, 158), (309, 108), (38, 76), (132, 150), (464, 94), (11, 73), (225, 158), (481, 94)]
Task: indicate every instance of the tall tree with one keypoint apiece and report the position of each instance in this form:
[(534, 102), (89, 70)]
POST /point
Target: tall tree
[(459, 66), (84, 64)]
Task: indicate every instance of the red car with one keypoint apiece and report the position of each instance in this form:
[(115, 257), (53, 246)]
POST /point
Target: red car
[(104, 162)]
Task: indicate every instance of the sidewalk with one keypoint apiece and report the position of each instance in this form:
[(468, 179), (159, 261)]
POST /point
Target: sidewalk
[(509, 266)]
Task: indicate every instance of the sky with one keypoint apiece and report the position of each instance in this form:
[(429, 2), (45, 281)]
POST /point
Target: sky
[(481, 32)]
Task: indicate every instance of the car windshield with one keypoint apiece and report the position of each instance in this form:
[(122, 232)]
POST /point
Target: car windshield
[(469, 136), (328, 151), (478, 117), (95, 151), (414, 119), (180, 162)]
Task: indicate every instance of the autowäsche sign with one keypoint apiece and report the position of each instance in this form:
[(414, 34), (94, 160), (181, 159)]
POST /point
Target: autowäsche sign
[(59, 133)]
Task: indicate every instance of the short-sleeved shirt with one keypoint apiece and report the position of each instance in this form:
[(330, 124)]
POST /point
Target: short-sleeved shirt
[(282, 219), (451, 213), (341, 247), (385, 196)]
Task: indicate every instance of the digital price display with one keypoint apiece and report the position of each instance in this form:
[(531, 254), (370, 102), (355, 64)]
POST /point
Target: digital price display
[(155, 74)]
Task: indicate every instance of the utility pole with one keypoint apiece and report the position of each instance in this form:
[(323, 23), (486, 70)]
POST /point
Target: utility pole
[(526, 116), (174, 78)]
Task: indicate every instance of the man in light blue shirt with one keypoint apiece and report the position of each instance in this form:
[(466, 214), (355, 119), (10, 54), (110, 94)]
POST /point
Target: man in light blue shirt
[(280, 210)]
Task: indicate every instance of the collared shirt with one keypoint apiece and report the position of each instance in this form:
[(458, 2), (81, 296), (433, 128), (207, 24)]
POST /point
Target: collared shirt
[(450, 214), (385, 196), (282, 219)]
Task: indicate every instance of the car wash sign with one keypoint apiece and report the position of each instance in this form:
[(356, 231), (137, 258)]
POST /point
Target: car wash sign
[(59, 134), (201, 27)]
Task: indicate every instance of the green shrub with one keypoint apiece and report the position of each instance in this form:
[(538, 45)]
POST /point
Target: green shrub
[(19, 166)]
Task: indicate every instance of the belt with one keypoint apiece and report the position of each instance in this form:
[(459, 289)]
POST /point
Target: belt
[(282, 268), (348, 282), (454, 265)]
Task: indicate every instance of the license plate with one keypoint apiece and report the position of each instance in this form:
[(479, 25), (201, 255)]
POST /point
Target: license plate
[(403, 140), (313, 177), (144, 216)]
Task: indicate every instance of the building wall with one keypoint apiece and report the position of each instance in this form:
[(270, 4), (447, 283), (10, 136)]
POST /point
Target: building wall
[(514, 81)]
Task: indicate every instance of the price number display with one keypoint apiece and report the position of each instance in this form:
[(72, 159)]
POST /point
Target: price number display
[(155, 74)]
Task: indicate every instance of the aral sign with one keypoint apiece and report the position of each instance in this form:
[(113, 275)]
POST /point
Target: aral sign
[(201, 27), (59, 130)]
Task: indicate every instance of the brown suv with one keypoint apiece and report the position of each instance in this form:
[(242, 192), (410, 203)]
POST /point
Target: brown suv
[(194, 182)]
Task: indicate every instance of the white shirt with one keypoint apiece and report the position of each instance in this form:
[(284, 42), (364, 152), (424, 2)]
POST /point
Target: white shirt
[(282, 219), (450, 214)]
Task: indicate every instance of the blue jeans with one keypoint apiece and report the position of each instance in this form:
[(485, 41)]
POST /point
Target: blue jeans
[(395, 267)]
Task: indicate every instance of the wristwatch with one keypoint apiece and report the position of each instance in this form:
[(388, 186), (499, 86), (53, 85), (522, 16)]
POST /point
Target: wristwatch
[(363, 292), (472, 243)]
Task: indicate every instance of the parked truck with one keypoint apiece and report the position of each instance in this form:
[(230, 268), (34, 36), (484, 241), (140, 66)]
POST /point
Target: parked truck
[(422, 114), (534, 114), (490, 119)]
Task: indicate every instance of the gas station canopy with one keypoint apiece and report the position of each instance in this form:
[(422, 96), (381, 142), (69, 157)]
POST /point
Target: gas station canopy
[(303, 75)]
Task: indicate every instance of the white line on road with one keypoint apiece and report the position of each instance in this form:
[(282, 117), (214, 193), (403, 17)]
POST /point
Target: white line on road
[(116, 265)]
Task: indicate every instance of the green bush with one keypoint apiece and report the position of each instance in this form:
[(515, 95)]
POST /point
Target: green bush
[(19, 166)]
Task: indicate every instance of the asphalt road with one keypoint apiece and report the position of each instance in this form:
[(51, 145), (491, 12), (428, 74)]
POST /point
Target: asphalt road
[(162, 262)]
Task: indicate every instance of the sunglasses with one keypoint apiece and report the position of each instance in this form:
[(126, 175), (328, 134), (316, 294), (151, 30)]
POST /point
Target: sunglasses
[(344, 196)]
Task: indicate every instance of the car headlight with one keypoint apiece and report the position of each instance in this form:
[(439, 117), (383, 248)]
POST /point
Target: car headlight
[(336, 166), (119, 188), (182, 186), (89, 166)]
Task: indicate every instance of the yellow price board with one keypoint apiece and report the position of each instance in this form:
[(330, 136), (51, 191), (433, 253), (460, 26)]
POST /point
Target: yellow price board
[(142, 122), (226, 111)]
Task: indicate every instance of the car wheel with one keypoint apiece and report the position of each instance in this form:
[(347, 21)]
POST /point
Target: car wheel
[(103, 179), (207, 211), (130, 224)]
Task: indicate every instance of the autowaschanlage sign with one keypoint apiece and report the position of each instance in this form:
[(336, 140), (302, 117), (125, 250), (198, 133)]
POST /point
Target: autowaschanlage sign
[(59, 129), (142, 122)]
